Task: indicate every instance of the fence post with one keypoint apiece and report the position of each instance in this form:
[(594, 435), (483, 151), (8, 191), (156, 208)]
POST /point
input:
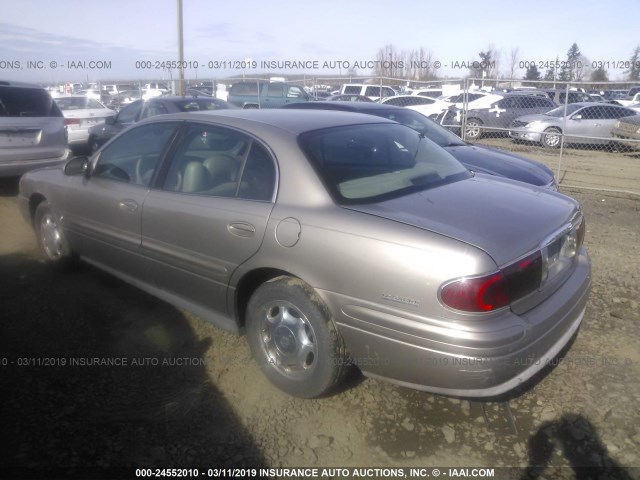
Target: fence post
[(564, 129)]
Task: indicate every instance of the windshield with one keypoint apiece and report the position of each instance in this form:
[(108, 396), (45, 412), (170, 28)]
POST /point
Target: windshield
[(370, 163), (559, 111)]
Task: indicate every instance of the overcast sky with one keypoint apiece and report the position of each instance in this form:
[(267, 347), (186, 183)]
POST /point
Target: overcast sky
[(45, 41)]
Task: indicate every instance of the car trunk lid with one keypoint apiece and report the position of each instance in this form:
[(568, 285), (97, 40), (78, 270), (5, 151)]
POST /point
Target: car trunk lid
[(504, 218)]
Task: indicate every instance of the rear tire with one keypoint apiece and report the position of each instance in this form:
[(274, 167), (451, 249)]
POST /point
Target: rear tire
[(293, 338), (473, 129)]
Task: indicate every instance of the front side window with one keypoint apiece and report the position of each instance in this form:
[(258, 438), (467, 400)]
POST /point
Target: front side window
[(274, 90), (372, 92), (134, 155), (370, 163), (295, 92)]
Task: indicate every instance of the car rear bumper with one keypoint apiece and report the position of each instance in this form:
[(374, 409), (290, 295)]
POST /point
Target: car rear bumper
[(467, 364), (17, 168)]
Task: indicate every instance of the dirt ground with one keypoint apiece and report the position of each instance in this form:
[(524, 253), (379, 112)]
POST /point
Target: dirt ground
[(185, 394)]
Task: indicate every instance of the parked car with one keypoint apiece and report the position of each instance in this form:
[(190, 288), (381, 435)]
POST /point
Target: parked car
[(120, 100), (374, 92), (631, 100), (80, 114), (626, 132), (32, 129), (265, 94), (154, 89), (477, 158), (426, 105), (141, 109), (497, 116), (330, 238), (585, 123)]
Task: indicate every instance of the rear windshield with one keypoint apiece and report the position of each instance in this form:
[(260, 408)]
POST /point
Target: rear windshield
[(559, 111), (371, 163), (27, 102)]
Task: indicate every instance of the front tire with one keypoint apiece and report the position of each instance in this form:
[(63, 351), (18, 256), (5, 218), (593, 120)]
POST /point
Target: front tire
[(50, 237), (293, 338)]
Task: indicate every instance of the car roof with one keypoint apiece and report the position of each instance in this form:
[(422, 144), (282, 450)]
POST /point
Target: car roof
[(290, 120), (5, 83), (594, 104), (363, 107)]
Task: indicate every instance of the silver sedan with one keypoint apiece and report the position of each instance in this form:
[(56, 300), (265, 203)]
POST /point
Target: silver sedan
[(332, 239), (581, 123)]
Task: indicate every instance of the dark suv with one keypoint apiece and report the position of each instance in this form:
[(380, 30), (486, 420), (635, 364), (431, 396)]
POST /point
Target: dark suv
[(264, 94), (32, 130)]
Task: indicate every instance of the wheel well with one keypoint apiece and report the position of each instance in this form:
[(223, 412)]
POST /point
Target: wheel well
[(248, 284), (34, 201)]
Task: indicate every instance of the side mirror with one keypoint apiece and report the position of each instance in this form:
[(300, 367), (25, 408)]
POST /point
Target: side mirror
[(576, 117), (110, 120), (77, 166)]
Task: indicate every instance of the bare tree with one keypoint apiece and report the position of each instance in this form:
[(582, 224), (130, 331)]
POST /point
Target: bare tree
[(514, 58)]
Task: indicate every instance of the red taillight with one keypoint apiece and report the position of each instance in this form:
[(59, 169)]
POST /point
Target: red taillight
[(481, 294), (72, 121), (496, 290)]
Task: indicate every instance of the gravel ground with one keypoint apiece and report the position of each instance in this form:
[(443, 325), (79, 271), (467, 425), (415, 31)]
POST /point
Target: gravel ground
[(182, 393)]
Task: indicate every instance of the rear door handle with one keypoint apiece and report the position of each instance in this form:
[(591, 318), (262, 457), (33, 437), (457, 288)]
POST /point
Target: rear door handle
[(241, 229), (128, 205)]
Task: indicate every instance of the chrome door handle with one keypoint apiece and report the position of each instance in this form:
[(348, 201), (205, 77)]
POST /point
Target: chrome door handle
[(241, 229), (128, 205)]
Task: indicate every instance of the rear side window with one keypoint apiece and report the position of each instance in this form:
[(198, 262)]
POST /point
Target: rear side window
[(246, 88), (27, 102), (352, 90)]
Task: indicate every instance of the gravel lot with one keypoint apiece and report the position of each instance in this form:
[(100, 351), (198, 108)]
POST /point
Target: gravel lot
[(187, 394)]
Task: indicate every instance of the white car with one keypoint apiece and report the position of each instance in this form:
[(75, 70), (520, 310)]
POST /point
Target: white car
[(427, 106), (154, 89), (428, 92), (81, 113), (628, 103)]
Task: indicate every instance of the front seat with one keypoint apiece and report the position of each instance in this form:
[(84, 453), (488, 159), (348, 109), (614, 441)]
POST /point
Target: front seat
[(196, 178)]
